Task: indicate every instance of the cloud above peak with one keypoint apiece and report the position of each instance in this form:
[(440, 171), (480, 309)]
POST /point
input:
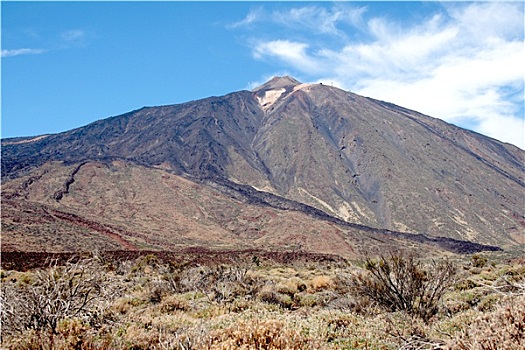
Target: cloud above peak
[(320, 19), (461, 62), (313, 18), (290, 52)]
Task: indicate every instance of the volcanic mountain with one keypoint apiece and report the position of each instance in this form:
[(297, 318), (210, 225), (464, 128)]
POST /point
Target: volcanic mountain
[(284, 166)]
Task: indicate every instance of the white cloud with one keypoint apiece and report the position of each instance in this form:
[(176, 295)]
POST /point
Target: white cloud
[(462, 64), (18, 52), (290, 52), (320, 19), (314, 18), (512, 128), (484, 21)]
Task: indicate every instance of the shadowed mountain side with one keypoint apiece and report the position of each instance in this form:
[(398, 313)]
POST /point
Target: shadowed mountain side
[(193, 137)]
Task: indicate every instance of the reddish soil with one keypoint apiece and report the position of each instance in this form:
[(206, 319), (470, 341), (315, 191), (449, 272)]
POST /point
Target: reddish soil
[(102, 229), (23, 261)]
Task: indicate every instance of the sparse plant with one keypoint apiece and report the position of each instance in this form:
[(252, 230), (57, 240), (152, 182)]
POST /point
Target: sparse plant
[(178, 305), (509, 283), (261, 334), (404, 283), (503, 328), (56, 293), (174, 303), (478, 260), (306, 300), (220, 283), (145, 263), (269, 295), (321, 282)]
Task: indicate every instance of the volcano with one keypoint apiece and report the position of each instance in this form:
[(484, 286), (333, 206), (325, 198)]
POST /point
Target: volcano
[(285, 166)]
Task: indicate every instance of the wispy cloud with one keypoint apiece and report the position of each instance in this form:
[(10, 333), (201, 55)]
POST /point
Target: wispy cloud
[(73, 35), (463, 64), (18, 52), (320, 19), (67, 39), (253, 16), (317, 19)]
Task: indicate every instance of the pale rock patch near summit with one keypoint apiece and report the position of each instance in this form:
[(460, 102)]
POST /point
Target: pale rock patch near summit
[(270, 97)]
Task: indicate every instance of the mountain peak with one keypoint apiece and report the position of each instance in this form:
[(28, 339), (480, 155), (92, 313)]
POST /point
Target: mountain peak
[(277, 83)]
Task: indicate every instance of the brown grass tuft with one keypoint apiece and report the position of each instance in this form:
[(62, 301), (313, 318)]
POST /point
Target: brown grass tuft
[(268, 334), (322, 282)]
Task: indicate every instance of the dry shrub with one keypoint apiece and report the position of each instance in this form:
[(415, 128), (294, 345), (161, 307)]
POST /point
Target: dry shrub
[(343, 282), (406, 332), (173, 303), (38, 340), (465, 284), (220, 283), (287, 289), (140, 336), (157, 289), (271, 296), (299, 284), (267, 334), (213, 307), (478, 261), (503, 328), (59, 292), (291, 286), (402, 283), (125, 304), (339, 326), (70, 334), (145, 264), (306, 300), (322, 282)]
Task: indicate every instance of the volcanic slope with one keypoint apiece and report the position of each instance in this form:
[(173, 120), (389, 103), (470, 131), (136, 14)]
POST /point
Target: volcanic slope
[(352, 158), (119, 205)]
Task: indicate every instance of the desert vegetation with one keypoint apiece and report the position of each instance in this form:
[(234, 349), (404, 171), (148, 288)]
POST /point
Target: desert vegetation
[(394, 301)]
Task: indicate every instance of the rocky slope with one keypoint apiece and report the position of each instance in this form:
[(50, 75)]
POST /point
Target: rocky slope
[(306, 148)]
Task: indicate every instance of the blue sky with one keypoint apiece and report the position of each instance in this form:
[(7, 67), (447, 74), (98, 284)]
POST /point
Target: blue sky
[(66, 64)]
